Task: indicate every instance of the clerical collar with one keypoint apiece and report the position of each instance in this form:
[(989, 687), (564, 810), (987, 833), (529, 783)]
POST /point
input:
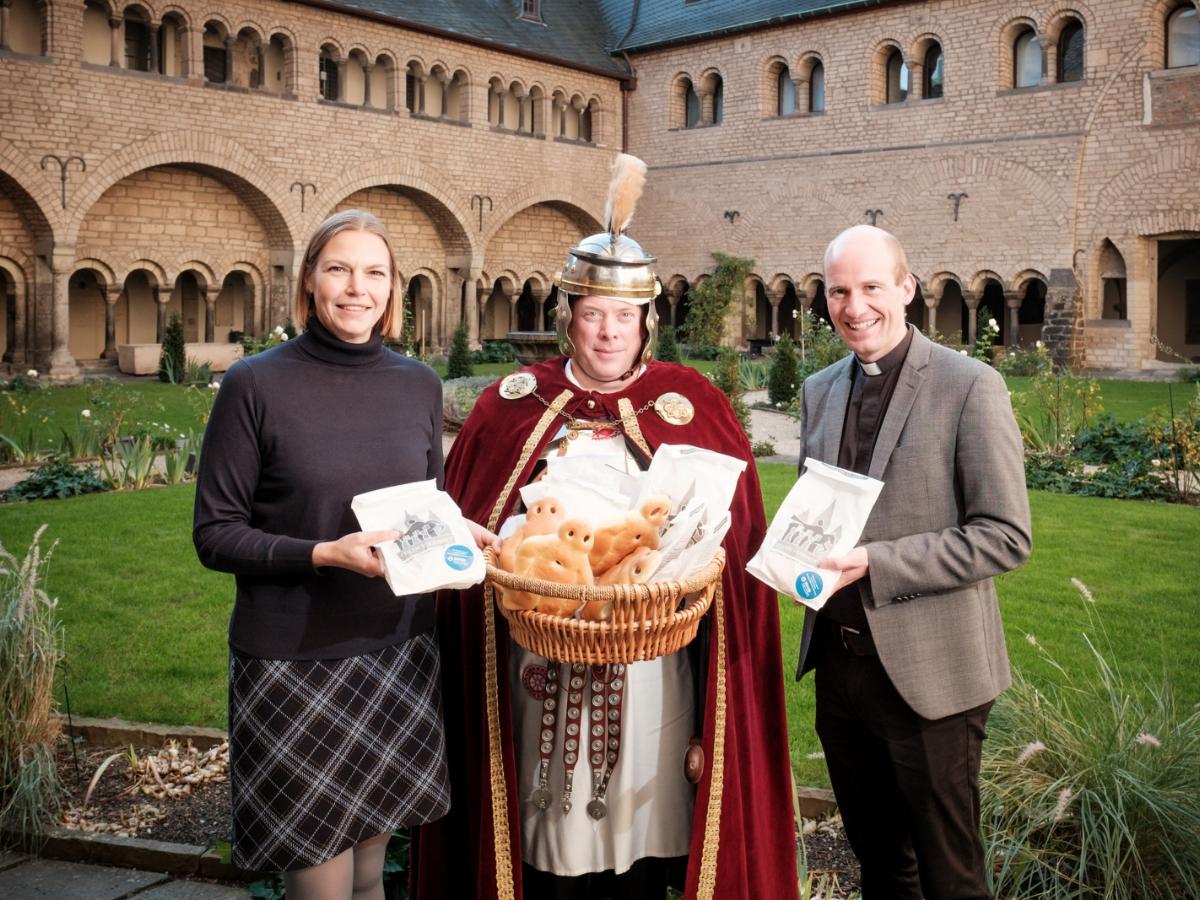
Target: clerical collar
[(894, 357)]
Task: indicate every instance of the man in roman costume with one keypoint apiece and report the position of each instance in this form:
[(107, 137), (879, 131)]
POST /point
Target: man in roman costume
[(697, 791)]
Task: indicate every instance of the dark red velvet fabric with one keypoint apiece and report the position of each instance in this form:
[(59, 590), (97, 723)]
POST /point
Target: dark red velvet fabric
[(455, 856)]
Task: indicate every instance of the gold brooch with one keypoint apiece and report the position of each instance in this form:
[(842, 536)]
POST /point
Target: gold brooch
[(675, 409), (517, 385)]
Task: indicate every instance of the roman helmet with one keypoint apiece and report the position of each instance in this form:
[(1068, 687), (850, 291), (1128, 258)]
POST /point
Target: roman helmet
[(611, 264)]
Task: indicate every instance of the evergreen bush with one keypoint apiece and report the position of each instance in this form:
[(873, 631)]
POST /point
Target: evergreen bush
[(709, 301), (458, 365), (667, 348), (727, 378), (784, 378), (172, 363)]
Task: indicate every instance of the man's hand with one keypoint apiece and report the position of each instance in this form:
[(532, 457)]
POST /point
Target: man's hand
[(853, 566), (355, 552), (483, 537)]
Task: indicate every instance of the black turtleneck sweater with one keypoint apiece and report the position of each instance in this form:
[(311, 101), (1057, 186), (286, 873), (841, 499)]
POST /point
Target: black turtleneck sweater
[(295, 433)]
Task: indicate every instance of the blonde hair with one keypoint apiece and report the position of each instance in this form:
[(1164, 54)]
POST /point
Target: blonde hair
[(392, 323), (890, 241)]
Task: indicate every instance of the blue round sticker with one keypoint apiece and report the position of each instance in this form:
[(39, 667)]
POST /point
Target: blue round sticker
[(809, 584), (459, 557)]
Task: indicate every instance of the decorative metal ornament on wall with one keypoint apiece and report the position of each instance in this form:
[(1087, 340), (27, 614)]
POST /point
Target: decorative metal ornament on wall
[(305, 187), (732, 215), (872, 215), (63, 165), (481, 198), (958, 199)]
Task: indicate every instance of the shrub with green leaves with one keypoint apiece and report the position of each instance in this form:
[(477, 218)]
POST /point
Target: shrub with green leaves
[(709, 301), (31, 645), (494, 352), (1091, 785), (458, 365), (817, 346), (172, 362), (56, 478), (784, 379), (1026, 360), (667, 348), (728, 380)]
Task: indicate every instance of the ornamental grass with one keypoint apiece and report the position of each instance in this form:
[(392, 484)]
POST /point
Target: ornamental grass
[(1091, 785), (31, 642)]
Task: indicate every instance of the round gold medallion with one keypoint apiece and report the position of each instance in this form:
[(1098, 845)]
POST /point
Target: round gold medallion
[(674, 408), (517, 385)]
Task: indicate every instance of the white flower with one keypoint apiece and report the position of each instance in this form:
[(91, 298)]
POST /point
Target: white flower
[(32, 373), (992, 325), (795, 313), (819, 754), (1148, 739), (1030, 750), (1060, 808), (963, 352), (282, 336), (1083, 590), (1039, 345), (1031, 640), (278, 329), (86, 413), (213, 385)]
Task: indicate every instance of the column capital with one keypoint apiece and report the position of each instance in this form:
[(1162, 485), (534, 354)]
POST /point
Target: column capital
[(1012, 299), (113, 292), (971, 298), (114, 22)]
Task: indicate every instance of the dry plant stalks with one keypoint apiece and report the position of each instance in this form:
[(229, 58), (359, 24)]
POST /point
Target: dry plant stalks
[(170, 773), (31, 644)]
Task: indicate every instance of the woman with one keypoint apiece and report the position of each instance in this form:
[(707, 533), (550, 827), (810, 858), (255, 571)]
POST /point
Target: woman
[(335, 724), (625, 819)]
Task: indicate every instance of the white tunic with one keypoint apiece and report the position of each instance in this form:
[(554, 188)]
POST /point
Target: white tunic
[(649, 801)]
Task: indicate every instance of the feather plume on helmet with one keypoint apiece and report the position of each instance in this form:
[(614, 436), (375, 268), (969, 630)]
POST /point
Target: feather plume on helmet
[(611, 264)]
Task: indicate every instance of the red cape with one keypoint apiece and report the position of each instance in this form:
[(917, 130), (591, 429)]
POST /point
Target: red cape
[(744, 846)]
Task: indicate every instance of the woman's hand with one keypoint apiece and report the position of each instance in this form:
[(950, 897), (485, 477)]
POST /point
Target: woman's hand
[(483, 537), (355, 552)]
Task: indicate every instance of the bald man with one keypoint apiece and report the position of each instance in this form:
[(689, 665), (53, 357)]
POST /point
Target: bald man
[(909, 653)]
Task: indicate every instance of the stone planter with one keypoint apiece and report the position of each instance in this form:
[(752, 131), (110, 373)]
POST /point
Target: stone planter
[(533, 346)]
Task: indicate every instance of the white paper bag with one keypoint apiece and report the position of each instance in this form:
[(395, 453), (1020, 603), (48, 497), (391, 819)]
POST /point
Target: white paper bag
[(822, 517), (435, 549)]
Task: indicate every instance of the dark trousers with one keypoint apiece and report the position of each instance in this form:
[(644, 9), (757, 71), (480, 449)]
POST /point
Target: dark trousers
[(907, 787), (646, 879)]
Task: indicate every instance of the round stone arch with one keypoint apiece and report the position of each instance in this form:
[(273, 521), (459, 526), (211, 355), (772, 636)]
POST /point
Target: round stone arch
[(434, 198), (248, 316), (37, 199), (575, 201), (423, 298), (1005, 30), (880, 54), (770, 102), (219, 158), (14, 305), (140, 310), (1054, 19), (106, 275)]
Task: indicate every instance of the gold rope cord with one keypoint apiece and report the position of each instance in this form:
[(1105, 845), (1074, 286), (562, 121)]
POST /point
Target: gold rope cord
[(501, 832), (630, 423), (707, 883)]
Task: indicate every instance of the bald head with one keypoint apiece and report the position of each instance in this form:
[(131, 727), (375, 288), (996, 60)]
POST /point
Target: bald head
[(869, 240)]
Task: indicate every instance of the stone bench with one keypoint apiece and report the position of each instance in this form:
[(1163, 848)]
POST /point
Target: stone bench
[(142, 359)]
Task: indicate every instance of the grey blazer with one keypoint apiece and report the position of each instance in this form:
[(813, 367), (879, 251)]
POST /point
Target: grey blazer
[(952, 514)]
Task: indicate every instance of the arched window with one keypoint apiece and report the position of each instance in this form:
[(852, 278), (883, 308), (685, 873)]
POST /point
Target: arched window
[(1183, 38), (1070, 52), (816, 89), (216, 54), (934, 75), (785, 92), (1027, 59), (25, 27), (718, 89), (277, 62), (897, 78), (137, 40), (327, 73), (691, 102)]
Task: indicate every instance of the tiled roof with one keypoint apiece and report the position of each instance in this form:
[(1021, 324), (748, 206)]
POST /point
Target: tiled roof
[(672, 21), (571, 30)]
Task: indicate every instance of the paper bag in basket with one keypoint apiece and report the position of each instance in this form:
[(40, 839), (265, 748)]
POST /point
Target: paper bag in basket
[(435, 549), (822, 517)]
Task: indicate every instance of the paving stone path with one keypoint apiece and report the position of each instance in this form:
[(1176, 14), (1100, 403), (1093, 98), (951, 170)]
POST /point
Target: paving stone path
[(30, 878)]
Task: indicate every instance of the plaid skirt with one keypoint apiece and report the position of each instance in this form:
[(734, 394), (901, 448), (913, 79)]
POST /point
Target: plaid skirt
[(327, 753)]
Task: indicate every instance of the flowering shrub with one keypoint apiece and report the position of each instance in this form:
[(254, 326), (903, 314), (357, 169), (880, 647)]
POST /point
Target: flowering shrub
[(1026, 361), (985, 338), (273, 338), (785, 373)]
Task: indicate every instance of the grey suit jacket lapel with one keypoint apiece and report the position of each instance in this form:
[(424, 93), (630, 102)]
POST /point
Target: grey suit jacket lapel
[(835, 415), (912, 374)]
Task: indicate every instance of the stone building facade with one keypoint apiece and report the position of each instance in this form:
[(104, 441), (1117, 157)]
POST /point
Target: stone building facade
[(1040, 161)]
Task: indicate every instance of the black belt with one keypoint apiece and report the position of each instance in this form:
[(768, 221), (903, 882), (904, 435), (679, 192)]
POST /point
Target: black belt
[(857, 640)]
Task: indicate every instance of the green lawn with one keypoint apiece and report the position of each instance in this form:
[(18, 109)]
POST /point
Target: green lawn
[(146, 624), (1128, 401)]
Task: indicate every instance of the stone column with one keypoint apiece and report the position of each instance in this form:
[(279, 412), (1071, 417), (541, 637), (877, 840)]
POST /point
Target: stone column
[(539, 295), (520, 95), (367, 70), (512, 310), (774, 298), (341, 80), (707, 107), (916, 81), (192, 62), (674, 295), (116, 56), (160, 312), (155, 61), (5, 25), (422, 80), (1049, 59), (931, 307), (559, 111), (230, 40), (444, 83), (261, 52), (1062, 331), (800, 85), (471, 308), (208, 298), (1012, 299), (112, 294), (62, 365), (971, 300)]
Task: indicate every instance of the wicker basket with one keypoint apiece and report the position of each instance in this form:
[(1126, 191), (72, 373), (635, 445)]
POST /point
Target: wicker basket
[(648, 620)]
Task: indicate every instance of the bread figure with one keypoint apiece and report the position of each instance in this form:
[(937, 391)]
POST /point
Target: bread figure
[(543, 517), (638, 529), (636, 568), (560, 557)]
